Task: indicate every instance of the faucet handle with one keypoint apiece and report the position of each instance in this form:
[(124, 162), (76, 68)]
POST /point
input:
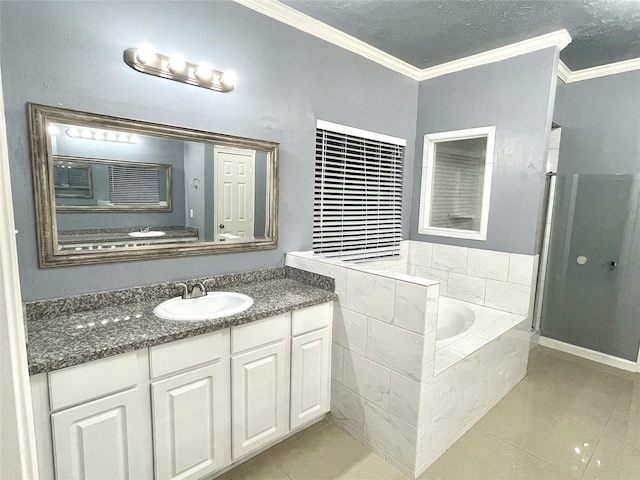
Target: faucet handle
[(185, 289), (198, 290)]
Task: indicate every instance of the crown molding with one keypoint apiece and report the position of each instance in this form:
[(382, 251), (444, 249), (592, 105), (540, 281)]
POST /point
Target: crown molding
[(292, 17), (564, 73), (561, 38), (569, 76)]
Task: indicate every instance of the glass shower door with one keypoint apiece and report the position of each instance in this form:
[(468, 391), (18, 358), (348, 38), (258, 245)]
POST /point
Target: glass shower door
[(592, 291)]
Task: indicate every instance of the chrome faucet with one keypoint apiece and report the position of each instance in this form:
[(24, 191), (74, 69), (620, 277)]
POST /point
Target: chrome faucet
[(192, 291)]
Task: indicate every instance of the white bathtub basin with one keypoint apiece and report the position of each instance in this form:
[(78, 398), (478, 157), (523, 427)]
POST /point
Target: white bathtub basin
[(209, 307), (454, 318)]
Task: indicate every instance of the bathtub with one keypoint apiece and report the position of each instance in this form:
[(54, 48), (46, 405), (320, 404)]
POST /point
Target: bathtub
[(454, 318), (441, 382), (465, 327)]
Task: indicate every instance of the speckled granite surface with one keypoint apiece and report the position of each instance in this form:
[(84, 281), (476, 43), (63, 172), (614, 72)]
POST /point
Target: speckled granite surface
[(70, 237), (70, 331)]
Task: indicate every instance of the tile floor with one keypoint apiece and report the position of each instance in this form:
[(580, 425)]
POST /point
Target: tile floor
[(568, 419)]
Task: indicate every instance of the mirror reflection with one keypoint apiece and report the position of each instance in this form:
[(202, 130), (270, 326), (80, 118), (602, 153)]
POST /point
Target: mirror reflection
[(72, 179), (94, 184), (123, 185)]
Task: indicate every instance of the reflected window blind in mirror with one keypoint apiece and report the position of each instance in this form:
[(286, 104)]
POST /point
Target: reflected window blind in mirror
[(457, 184), (133, 185), (357, 194)]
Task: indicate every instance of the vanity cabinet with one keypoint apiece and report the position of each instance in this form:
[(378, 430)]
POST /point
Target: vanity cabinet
[(100, 422), (310, 364), (190, 405), (100, 439), (188, 408), (260, 366)]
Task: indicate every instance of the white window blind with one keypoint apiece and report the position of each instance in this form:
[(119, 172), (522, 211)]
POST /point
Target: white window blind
[(358, 194), (133, 185)]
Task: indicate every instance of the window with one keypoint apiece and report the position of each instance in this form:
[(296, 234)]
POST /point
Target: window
[(456, 183), (133, 185), (358, 193)]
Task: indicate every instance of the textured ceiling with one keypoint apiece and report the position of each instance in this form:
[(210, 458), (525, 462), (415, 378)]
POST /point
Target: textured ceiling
[(425, 33)]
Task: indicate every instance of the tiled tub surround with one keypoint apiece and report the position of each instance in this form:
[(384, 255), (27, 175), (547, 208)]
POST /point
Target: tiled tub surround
[(391, 390), (73, 330)]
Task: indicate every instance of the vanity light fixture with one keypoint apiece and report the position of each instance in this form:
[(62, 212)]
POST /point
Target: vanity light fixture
[(102, 136), (145, 60)]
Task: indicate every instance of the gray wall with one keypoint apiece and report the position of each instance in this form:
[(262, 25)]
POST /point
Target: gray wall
[(70, 54), (194, 161), (597, 308), (260, 194), (600, 121), (517, 96)]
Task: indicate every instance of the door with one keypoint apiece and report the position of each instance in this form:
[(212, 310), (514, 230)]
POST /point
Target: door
[(191, 426), (102, 439), (310, 376), (593, 272), (234, 197), (260, 397)]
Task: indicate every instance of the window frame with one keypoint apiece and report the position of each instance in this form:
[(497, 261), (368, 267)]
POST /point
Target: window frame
[(426, 184), (325, 242)]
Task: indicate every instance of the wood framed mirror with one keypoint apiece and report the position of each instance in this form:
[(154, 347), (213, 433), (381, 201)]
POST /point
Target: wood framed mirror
[(110, 189)]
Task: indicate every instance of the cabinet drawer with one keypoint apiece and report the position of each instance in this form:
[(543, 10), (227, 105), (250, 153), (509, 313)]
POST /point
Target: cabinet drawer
[(312, 318), (261, 332), (190, 352), (88, 381)]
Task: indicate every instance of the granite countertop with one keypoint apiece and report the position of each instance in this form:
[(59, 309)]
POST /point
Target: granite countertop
[(71, 237), (60, 336)]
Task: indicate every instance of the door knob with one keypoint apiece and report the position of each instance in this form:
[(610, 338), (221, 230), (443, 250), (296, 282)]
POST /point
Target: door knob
[(221, 225)]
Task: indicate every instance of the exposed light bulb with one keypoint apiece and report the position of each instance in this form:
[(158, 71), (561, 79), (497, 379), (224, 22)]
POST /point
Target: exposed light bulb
[(122, 138), (86, 134), (145, 54), (111, 137), (53, 130), (229, 78), (204, 72), (134, 139), (73, 132), (98, 136), (177, 64)]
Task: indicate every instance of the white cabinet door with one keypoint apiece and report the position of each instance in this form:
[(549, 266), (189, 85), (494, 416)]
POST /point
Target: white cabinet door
[(191, 425), (310, 376), (102, 439), (260, 397)]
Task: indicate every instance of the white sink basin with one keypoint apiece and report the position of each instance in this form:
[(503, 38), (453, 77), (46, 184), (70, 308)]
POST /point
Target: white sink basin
[(155, 233), (211, 306)]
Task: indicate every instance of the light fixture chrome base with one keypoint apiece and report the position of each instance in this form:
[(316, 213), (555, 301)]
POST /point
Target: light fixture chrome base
[(159, 65)]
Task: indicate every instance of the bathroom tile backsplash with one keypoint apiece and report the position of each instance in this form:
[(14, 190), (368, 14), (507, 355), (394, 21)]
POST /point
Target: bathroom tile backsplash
[(500, 280)]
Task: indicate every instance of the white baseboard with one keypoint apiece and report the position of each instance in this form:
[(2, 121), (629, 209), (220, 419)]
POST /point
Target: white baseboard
[(599, 357)]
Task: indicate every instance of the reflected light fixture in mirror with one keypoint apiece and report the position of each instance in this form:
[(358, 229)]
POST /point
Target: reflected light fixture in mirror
[(100, 135), (144, 59)]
